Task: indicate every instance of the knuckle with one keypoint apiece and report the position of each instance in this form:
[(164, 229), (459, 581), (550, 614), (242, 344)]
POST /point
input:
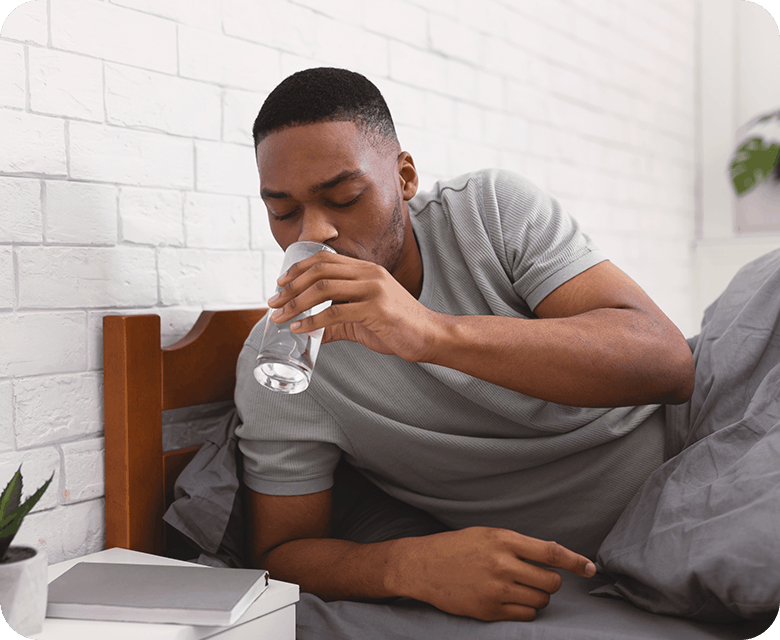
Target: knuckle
[(333, 311), (322, 285), (496, 534), (290, 289), (555, 553), (501, 564), (293, 272)]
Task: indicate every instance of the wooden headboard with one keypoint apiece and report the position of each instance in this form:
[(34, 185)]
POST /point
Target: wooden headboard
[(141, 380)]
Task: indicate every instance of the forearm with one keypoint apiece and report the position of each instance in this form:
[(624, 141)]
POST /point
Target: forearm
[(337, 569), (601, 358)]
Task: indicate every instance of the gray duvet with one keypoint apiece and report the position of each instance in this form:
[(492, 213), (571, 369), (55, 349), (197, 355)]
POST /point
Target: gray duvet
[(701, 538)]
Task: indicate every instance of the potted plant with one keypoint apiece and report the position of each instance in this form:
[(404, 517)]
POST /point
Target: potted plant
[(23, 584)]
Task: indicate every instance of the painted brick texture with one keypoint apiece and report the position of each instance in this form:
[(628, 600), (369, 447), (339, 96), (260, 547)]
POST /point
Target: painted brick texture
[(128, 182)]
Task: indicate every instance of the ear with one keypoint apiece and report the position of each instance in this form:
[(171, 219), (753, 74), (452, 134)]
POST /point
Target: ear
[(407, 175)]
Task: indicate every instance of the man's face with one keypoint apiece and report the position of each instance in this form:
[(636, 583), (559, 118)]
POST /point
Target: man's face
[(326, 182)]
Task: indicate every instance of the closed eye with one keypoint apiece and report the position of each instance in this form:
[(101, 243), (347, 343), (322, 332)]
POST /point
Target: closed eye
[(286, 216), (344, 205)]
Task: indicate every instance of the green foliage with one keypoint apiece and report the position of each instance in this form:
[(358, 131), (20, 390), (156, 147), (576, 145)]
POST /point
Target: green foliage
[(12, 513), (758, 157), (754, 161)]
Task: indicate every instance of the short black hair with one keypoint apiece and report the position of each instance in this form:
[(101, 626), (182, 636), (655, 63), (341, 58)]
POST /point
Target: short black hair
[(326, 94)]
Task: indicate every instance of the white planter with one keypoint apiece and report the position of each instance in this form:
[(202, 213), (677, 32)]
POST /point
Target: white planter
[(24, 589)]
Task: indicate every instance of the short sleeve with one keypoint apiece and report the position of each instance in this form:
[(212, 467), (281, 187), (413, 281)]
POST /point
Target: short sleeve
[(543, 246), (289, 443)]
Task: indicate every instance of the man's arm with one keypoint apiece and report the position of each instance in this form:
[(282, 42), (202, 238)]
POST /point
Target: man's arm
[(598, 341), (478, 572)]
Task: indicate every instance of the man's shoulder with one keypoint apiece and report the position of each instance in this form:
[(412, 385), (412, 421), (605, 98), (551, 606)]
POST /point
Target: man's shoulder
[(489, 183), (481, 178)]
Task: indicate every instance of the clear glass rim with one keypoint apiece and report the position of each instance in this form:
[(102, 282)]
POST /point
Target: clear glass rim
[(306, 243)]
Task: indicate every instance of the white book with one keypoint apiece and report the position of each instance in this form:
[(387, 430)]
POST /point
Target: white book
[(191, 595)]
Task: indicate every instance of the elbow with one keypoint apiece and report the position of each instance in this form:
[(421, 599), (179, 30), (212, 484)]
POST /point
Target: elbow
[(681, 374)]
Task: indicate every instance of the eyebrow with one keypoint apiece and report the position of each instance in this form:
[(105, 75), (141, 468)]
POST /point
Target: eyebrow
[(327, 184)]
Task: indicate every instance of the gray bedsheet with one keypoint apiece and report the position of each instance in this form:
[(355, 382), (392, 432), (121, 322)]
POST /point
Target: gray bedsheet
[(571, 615)]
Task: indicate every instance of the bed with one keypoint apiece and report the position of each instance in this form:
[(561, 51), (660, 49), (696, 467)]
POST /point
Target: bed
[(143, 379)]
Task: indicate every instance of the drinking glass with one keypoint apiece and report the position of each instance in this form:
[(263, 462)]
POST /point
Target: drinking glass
[(286, 359)]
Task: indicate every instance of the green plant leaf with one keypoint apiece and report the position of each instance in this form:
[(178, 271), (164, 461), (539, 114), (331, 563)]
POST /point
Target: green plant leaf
[(753, 162), (12, 521), (8, 532), (12, 493), (9, 529), (7, 520), (33, 499)]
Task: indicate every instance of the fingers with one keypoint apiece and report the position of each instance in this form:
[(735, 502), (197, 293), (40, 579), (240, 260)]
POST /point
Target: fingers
[(322, 258), (527, 596), (308, 284), (516, 612), (321, 291), (540, 578), (554, 555), (513, 602)]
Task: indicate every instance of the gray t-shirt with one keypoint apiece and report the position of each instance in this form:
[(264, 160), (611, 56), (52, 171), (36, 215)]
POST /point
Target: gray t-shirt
[(467, 451)]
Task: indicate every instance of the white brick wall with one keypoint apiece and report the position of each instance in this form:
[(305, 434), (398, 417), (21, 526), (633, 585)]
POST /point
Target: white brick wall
[(107, 32), (80, 213), (216, 221), (62, 277), (20, 218), (83, 470), (151, 216), (35, 343), (150, 100), (41, 418), (32, 144), (12, 76), (99, 153), (7, 441), (64, 84), (7, 293), (128, 182)]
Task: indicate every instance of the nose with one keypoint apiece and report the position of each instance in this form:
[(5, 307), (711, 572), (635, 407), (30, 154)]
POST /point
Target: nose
[(317, 225)]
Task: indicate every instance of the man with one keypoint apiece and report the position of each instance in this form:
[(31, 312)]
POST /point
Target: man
[(473, 358)]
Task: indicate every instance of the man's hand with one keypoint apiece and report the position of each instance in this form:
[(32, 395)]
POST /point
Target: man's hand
[(483, 572), (370, 306)]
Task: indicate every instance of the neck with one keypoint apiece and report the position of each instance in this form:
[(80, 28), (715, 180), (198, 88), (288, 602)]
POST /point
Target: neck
[(410, 270)]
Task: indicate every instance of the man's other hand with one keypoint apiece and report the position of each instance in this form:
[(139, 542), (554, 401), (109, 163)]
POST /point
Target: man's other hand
[(483, 573)]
